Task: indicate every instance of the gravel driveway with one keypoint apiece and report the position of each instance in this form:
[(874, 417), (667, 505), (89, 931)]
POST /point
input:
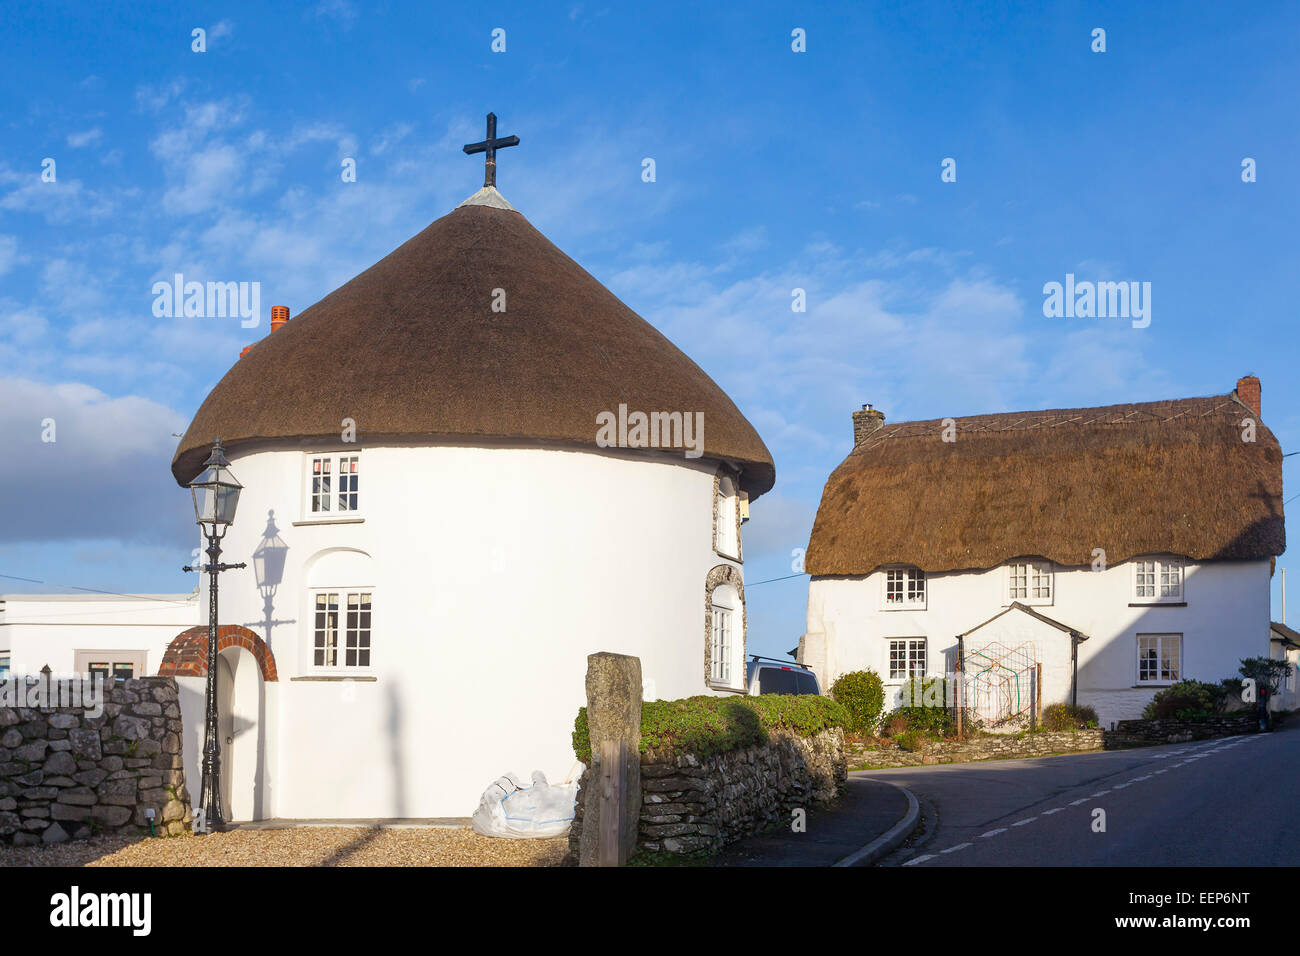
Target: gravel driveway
[(299, 846)]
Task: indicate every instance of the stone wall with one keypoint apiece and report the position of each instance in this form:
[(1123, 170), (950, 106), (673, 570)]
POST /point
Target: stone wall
[(64, 773), (692, 803), (1128, 733), (983, 747)]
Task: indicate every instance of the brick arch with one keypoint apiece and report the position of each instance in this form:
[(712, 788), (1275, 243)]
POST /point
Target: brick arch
[(187, 654)]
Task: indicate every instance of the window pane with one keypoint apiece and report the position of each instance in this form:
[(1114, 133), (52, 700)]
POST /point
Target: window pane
[(776, 680)]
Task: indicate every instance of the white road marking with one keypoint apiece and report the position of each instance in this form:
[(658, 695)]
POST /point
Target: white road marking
[(1119, 786), (1166, 770), (954, 849), (1075, 803), (1021, 823), (991, 833), (1048, 813), (1143, 777), (1099, 793), (919, 859)]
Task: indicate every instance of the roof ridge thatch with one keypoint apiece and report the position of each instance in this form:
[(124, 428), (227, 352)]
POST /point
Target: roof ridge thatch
[(1171, 476)]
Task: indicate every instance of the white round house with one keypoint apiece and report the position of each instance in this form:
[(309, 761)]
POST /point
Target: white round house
[(464, 471)]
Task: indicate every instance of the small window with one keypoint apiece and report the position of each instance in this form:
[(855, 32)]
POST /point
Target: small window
[(4, 666), (1159, 658), (904, 588), (1029, 582), (1157, 580), (348, 646), (334, 485), (726, 540), (907, 658)]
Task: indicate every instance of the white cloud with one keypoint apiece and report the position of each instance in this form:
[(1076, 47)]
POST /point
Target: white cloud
[(8, 253), (85, 138), (105, 476)]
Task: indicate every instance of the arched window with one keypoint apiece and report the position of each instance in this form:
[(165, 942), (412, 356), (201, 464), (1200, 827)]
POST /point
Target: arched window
[(724, 629), (340, 612)]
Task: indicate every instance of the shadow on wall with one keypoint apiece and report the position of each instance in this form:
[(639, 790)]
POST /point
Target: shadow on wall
[(268, 572), (1117, 653), (395, 722)]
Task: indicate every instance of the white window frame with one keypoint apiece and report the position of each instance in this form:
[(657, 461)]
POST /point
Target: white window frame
[(112, 659), (909, 649), (1157, 577), (912, 587), (336, 495), (722, 646), (1161, 641), (6, 667), (1036, 575), (342, 630), (726, 503)]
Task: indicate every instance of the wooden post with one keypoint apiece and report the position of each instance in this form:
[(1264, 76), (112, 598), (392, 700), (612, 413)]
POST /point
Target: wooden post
[(612, 796), (613, 757), (961, 683), (1038, 694)]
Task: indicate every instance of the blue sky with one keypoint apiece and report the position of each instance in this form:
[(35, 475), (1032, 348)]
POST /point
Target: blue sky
[(774, 170)]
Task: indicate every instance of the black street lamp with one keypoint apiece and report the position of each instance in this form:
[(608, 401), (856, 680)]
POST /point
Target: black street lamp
[(216, 495)]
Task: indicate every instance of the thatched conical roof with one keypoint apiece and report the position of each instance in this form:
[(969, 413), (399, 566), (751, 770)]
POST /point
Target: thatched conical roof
[(412, 349), (1172, 477)]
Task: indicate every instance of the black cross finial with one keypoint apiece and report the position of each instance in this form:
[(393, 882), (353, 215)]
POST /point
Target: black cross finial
[(490, 146)]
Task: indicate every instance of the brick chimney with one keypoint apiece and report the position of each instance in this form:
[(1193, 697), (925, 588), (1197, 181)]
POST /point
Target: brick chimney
[(1248, 392), (865, 423), (279, 316)]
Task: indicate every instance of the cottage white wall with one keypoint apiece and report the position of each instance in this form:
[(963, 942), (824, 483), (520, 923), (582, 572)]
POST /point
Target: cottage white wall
[(50, 629), (495, 572), (1226, 619)]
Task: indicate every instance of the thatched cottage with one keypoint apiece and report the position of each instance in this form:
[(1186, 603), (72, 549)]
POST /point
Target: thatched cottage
[(451, 536), (1091, 554)]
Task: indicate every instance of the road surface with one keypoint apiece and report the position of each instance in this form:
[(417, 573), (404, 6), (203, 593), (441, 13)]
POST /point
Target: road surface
[(1224, 802)]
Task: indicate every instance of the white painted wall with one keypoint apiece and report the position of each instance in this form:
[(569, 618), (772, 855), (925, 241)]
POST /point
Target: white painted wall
[(495, 572), (1226, 619), (40, 629)]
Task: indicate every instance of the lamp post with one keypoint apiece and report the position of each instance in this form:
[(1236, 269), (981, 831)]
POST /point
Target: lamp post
[(216, 495)]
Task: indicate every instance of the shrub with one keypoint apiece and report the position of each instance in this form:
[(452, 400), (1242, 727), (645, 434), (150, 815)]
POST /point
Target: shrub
[(924, 709), (896, 725), (712, 725), (1186, 700), (863, 697), (913, 741), (1068, 717)]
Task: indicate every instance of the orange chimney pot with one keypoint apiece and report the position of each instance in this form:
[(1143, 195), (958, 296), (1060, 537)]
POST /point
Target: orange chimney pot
[(279, 316)]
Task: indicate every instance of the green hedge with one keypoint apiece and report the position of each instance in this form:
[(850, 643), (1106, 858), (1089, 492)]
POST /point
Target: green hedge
[(712, 725), (863, 697)]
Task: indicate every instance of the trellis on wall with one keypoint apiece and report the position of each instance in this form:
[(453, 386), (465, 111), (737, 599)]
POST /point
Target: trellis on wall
[(1001, 685)]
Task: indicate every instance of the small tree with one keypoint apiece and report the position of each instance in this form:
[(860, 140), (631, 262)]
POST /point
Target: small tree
[(1265, 672), (862, 694)]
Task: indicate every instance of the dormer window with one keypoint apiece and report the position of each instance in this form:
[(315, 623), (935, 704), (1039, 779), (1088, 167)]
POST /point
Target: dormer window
[(726, 519), (1158, 580), (904, 589), (1029, 582)]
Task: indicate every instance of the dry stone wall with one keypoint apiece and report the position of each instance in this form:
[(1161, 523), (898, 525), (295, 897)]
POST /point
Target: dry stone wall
[(1128, 733), (66, 774), (691, 803)]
